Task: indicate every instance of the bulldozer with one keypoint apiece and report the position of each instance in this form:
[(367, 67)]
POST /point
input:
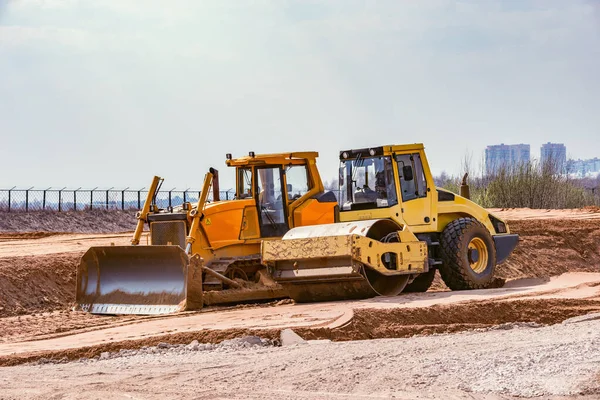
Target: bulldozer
[(196, 251), (386, 231)]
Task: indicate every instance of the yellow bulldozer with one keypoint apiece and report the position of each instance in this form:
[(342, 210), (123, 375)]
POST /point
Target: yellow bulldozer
[(283, 235)]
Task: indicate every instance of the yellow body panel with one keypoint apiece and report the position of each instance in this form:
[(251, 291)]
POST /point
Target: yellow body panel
[(250, 228), (311, 212), (222, 221)]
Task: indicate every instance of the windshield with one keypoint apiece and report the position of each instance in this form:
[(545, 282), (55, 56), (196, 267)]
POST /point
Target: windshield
[(367, 183)]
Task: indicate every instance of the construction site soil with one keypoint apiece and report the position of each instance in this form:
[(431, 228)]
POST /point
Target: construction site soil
[(38, 267), (366, 324), (90, 221), (37, 289), (45, 281)]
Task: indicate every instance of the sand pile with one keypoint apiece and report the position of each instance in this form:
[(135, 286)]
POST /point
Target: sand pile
[(552, 247), (37, 283), (406, 322), (93, 221)]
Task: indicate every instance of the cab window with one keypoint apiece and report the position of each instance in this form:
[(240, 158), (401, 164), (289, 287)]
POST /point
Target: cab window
[(412, 177), (244, 183), (419, 175), (296, 177), (271, 206)]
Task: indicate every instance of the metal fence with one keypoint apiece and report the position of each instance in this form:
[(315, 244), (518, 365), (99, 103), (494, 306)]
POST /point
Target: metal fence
[(31, 199)]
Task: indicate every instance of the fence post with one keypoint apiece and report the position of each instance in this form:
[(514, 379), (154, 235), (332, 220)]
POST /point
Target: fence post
[(170, 197), (140, 199), (107, 197), (44, 199), (27, 199), (123, 198), (75, 198), (9, 194), (92, 197), (60, 199)]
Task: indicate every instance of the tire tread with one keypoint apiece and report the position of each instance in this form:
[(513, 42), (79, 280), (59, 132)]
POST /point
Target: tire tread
[(451, 251)]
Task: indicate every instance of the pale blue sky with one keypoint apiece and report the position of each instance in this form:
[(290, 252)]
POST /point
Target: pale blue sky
[(111, 92)]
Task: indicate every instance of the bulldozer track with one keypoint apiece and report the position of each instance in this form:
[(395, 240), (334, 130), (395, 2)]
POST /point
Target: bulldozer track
[(245, 267)]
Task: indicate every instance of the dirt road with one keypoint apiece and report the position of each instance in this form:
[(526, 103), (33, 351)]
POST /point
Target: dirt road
[(566, 296), (555, 362)]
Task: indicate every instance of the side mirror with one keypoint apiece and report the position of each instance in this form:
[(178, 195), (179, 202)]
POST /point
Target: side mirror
[(341, 177), (407, 173)]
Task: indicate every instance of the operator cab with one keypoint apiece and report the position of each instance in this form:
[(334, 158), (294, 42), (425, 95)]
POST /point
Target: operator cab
[(369, 179), (273, 183)]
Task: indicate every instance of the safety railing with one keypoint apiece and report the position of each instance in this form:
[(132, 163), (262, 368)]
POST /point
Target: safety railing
[(64, 199)]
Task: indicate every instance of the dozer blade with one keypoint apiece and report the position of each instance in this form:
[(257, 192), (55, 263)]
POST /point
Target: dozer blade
[(138, 280)]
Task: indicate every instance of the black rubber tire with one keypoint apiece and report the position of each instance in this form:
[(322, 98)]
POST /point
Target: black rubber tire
[(456, 270), (421, 283)]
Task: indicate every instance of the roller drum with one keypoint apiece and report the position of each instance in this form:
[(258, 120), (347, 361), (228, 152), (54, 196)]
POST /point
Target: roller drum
[(332, 276)]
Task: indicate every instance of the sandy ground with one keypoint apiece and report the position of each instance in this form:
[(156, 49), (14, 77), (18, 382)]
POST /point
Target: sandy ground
[(512, 214), (525, 360), (37, 281), (25, 245), (330, 315)]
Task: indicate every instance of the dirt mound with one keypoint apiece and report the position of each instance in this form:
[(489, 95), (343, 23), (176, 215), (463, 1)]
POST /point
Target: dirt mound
[(204, 336), (552, 247), (37, 283), (92, 221), (593, 209), (406, 322), (27, 235), (549, 248)]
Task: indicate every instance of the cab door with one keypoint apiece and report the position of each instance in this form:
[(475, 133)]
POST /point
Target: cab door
[(271, 201), (414, 189), (250, 227)]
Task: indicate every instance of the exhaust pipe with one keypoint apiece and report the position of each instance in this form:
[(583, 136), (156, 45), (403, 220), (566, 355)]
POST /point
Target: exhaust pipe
[(464, 188), (215, 184)]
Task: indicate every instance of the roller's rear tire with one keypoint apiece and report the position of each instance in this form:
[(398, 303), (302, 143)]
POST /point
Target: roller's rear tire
[(421, 283), (468, 254)]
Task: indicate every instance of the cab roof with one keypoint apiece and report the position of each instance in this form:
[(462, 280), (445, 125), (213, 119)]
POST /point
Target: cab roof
[(380, 150), (274, 158)]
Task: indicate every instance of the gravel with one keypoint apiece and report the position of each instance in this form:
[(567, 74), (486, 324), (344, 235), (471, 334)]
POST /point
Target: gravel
[(512, 360)]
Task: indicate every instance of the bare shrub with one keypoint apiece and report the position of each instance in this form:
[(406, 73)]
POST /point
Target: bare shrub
[(528, 184)]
